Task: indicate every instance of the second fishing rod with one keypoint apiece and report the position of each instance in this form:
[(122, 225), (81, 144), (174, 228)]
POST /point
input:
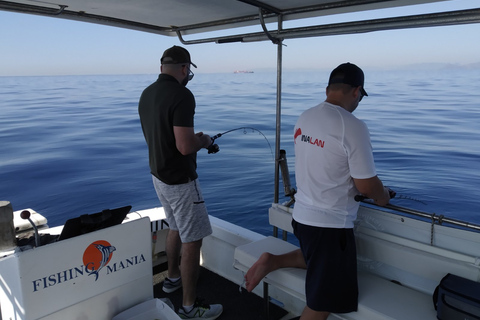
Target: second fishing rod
[(214, 148)]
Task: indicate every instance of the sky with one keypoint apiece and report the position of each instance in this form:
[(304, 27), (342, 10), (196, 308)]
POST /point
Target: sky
[(34, 45)]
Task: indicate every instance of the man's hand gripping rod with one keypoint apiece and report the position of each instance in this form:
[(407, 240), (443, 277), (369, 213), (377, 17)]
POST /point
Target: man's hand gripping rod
[(361, 197)]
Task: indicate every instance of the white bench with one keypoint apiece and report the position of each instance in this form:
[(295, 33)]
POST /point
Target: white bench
[(379, 298)]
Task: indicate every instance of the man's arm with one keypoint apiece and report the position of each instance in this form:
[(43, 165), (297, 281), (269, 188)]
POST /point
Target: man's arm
[(373, 188), (188, 142)]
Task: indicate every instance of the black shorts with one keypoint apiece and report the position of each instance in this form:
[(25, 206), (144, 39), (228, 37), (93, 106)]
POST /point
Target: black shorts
[(331, 257)]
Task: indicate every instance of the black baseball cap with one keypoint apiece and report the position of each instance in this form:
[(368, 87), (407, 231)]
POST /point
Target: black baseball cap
[(176, 55), (348, 73)]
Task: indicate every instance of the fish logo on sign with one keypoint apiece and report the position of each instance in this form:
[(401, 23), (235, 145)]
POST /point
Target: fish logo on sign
[(97, 255)]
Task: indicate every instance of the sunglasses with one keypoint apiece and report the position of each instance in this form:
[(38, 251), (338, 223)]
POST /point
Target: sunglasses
[(361, 96), (190, 73)]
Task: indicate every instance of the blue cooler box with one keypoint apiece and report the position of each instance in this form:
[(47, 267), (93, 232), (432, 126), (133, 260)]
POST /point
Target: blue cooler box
[(458, 299)]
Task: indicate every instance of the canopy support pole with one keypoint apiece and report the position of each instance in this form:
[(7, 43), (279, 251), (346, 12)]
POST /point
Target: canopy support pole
[(279, 44)]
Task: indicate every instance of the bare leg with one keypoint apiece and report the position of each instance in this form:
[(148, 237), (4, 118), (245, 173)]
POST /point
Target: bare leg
[(189, 267), (309, 314), (173, 247), (269, 262), (263, 266)]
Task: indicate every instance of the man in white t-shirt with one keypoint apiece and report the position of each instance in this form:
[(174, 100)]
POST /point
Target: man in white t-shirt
[(333, 163)]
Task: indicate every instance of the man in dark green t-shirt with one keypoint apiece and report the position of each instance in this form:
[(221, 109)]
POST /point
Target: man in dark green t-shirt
[(166, 110)]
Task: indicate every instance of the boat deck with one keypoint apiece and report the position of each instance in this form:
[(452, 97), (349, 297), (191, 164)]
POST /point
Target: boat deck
[(215, 289)]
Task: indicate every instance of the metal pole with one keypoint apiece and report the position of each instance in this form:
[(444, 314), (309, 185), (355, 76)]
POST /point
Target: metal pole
[(278, 113), (278, 119), (439, 219)]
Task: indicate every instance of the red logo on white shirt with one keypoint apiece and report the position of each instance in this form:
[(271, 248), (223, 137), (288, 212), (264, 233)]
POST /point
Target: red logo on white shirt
[(308, 139), (297, 133)]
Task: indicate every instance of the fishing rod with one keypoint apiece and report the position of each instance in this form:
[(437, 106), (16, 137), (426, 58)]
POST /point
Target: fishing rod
[(361, 197), (214, 147), (393, 194)]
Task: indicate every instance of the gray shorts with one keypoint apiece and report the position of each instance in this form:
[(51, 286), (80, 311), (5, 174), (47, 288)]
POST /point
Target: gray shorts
[(185, 209)]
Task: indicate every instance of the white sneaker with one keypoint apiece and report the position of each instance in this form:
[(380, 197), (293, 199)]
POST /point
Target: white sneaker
[(170, 286), (201, 311)]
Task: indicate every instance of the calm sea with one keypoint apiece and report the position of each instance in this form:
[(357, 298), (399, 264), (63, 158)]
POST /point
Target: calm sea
[(72, 145)]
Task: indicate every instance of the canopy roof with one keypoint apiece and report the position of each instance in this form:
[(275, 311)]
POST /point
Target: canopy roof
[(187, 17)]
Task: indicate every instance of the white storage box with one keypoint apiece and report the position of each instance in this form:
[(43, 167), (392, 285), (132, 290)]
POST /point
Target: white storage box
[(154, 309)]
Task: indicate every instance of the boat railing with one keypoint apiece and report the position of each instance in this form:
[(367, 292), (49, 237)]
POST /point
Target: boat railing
[(438, 219), (433, 218)]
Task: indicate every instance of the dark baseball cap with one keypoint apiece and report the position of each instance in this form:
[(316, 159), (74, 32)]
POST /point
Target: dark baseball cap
[(176, 55), (348, 73)]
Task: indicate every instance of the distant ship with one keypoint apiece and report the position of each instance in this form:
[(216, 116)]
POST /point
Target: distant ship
[(242, 71)]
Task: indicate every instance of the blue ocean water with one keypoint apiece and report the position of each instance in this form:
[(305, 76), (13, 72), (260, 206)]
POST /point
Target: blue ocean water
[(72, 145)]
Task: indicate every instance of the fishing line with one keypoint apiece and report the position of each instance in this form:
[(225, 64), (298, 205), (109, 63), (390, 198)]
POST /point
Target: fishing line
[(410, 198), (244, 132)]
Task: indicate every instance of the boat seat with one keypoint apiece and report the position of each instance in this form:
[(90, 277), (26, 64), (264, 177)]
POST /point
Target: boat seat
[(378, 298)]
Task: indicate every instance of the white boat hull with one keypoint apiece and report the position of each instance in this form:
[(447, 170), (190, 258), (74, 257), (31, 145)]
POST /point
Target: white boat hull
[(390, 248)]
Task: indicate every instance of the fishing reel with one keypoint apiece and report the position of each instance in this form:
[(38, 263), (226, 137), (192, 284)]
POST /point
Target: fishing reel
[(213, 148)]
